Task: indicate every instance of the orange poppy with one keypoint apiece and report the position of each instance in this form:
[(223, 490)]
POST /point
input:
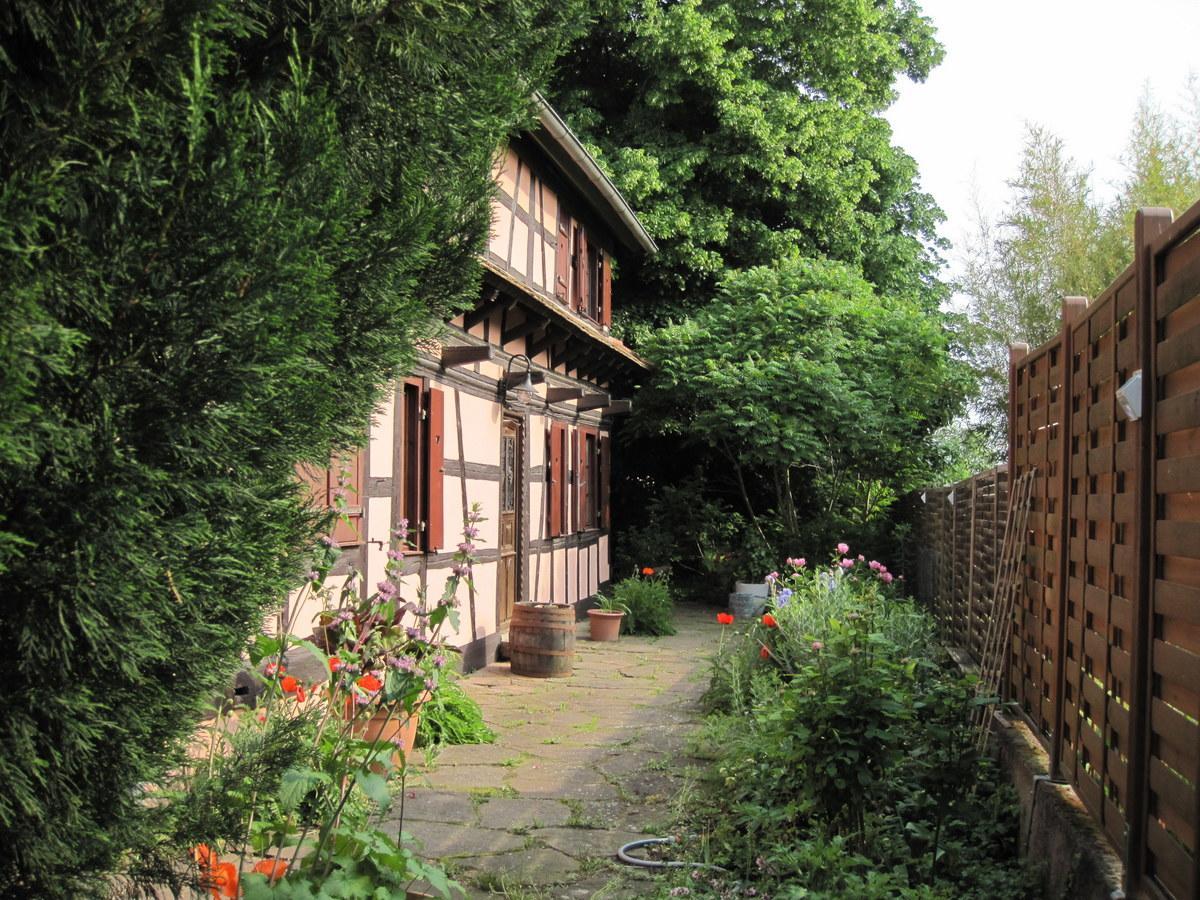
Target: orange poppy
[(289, 684), (334, 664), (223, 882), (725, 618), (764, 653), (274, 869), (769, 620), (203, 855), (647, 571), (370, 682)]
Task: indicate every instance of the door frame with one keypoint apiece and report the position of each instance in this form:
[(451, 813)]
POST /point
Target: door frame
[(518, 423)]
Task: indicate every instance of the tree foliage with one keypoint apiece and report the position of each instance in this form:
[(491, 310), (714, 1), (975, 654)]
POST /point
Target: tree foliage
[(743, 132), (804, 377), (222, 227)]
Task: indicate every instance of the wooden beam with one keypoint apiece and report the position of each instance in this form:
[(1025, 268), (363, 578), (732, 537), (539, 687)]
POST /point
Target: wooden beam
[(529, 326), (515, 378), (560, 394), (485, 308), (593, 401), (618, 408), (552, 336), (465, 355)]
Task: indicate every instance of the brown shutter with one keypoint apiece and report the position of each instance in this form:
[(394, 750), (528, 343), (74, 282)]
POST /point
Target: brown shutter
[(606, 295), (557, 434), (581, 271), (316, 485), (435, 470), (562, 258), (605, 480), (576, 518), (348, 530)]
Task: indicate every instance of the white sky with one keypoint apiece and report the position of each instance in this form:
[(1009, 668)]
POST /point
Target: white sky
[(1076, 67)]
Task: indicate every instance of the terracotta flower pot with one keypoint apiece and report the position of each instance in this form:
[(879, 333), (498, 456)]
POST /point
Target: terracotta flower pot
[(605, 625), (381, 727)]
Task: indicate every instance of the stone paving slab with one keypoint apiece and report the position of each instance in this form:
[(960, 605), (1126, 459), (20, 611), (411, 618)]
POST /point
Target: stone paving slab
[(580, 766)]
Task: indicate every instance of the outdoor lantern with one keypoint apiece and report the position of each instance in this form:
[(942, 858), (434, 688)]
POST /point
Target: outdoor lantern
[(1129, 396), (521, 386)]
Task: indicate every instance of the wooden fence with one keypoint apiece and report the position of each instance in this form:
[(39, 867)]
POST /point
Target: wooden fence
[(1104, 659)]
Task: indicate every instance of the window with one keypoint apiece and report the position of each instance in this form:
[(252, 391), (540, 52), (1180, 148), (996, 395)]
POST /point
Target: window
[(583, 279), (589, 497), (556, 507)]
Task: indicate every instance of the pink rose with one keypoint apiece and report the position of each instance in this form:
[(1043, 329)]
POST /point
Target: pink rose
[(847, 563), (886, 577), (843, 549)]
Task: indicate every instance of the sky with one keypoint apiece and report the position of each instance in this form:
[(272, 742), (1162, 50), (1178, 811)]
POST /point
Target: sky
[(1076, 67)]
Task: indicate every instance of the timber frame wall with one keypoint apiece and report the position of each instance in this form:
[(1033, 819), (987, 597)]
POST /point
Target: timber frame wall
[(1104, 658)]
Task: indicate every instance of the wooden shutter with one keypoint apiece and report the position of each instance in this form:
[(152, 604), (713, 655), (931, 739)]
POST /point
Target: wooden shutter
[(582, 287), (557, 436), (316, 484), (435, 469), (605, 480), (577, 518), (348, 468), (562, 258), (606, 291)]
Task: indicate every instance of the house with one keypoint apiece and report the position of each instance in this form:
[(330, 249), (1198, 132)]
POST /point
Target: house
[(458, 430)]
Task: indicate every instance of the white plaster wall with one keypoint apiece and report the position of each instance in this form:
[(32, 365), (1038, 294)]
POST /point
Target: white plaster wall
[(605, 569), (379, 526), (481, 423), (383, 429)]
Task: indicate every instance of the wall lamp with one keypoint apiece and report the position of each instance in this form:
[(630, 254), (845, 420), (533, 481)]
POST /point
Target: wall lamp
[(521, 386)]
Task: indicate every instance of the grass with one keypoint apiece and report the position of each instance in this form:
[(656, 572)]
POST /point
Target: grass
[(578, 819)]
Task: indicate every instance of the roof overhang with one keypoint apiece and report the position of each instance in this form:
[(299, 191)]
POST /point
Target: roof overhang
[(558, 141)]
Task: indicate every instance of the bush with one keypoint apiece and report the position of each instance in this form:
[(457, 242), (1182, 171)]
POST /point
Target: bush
[(224, 225), (846, 752), (451, 717), (647, 603)]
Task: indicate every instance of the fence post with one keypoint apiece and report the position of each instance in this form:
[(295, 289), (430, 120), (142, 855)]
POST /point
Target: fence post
[(1072, 309), (1148, 224)]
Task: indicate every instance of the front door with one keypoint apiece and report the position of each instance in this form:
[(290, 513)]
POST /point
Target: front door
[(510, 500)]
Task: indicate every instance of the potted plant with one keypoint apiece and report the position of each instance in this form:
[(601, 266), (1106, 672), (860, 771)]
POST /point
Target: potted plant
[(604, 619)]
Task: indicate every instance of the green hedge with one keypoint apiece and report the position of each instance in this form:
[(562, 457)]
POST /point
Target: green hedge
[(223, 225)]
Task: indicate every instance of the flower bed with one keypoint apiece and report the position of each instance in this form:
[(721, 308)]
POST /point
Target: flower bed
[(843, 755)]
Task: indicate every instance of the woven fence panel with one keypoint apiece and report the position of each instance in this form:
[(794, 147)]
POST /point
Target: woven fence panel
[(1036, 423), (1102, 565), (988, 513), (1173, 807)]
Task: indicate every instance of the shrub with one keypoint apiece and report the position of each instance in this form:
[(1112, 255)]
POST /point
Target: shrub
[(647, 601), (451, 717), (846, 751), (223, 227)]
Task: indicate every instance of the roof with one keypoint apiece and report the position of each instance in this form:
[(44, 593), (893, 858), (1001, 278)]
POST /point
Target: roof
[(556, 139)]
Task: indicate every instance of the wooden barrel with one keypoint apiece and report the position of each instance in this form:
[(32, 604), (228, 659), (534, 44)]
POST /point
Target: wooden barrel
[(541, 640)]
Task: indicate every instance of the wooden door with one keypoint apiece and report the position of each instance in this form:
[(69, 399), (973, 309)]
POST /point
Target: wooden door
[(510, 501)]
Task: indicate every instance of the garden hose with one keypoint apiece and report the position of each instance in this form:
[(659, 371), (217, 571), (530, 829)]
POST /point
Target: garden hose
[(623, 856)]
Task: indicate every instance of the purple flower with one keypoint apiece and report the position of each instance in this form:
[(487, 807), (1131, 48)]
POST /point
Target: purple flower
[(439, 661), (430, 684), (314, 575), (328, 541), (395, 554), (817, 645), (784, 598), (771, 578), (470, 532), (398, 742), (461, 569), (401, 529), (386, 589), (466, 547), (403, 663), (413, 633)]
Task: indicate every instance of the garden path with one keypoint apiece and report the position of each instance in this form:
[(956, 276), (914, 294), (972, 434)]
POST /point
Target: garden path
[(580, 766)]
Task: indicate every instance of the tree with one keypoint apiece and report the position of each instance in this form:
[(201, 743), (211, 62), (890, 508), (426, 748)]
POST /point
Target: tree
[(807, 383), (743, 132), (223, 225)]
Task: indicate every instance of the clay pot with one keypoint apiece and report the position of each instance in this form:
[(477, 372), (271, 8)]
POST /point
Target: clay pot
[(605, 625)]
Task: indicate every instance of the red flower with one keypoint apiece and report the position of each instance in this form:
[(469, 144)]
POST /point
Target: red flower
[(223, 881), (769, 621), (335, 664), (370, 682), (274, 869), (647, 571), (204, 857), (725, 618), (289, 684), (764, 653), (300, 695)]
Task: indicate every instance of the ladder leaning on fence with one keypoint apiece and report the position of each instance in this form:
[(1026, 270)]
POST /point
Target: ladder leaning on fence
[(1004, 598)]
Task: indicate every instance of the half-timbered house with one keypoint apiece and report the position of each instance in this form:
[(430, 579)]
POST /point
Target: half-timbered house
[(460, 430)]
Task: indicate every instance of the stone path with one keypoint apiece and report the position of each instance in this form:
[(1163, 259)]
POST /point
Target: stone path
[(580, 766)]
